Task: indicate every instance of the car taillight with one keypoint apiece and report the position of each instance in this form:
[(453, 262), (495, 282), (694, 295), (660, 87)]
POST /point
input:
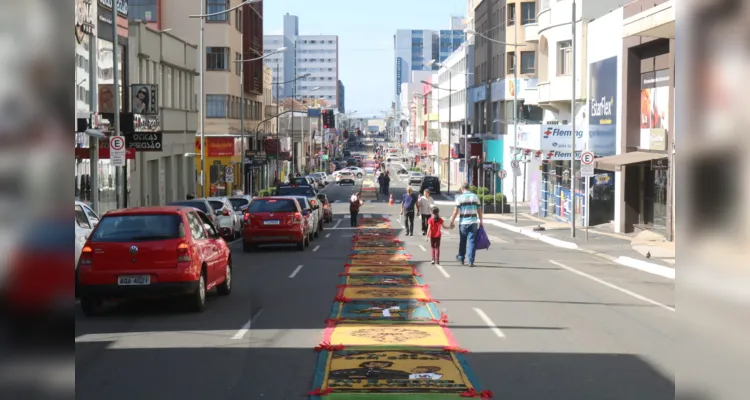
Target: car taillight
[(226, 213), (86, 254), (325, 206), (312, 202), (297, 218), (183, 252), (246, 217)]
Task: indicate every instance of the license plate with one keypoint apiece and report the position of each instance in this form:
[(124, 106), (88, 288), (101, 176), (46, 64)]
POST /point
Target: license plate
[(271, 222), (134, 280)]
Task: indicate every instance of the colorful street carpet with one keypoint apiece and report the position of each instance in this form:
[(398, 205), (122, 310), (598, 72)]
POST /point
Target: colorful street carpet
[(385, 337)]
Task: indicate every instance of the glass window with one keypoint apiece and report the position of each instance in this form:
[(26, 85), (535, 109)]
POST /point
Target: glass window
[(238, 65), (511, 14), (528, 13), (143, 10), (216, 106), (564, 57), (214, 6), (81, 219), (196, 226), (272, 206), (217, 58), (528, 62), (168, 87), (143, 227)]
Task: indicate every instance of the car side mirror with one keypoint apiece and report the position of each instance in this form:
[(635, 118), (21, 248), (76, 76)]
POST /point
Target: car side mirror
[(217, 212)]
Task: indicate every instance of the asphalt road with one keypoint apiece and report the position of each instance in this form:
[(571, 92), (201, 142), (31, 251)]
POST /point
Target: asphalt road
[(540, 323)]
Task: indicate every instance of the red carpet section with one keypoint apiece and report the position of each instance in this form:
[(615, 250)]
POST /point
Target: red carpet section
[(385, 337)]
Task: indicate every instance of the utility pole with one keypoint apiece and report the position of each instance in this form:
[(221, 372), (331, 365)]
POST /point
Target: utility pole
[(515, 118), (573, 128), (278, 122), (94, 108), (241, 66), (450, 132), (120, 172)]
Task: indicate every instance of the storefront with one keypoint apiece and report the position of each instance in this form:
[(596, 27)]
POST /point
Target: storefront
[(221, 152)]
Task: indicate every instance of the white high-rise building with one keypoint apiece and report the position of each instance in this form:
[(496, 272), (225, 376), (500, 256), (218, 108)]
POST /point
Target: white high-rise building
[(317, 55)]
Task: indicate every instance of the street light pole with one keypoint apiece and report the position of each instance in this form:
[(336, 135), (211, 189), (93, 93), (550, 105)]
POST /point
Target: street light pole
[(241, 66), (573, 128), (515, 122), (120, 172), (466, 120), (278, 121), (450, 132)]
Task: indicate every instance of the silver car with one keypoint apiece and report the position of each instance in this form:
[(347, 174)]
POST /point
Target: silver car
[(240, 204), (228, 223)]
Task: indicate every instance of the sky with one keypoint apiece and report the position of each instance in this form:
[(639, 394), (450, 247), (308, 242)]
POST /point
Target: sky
[(365, 30)]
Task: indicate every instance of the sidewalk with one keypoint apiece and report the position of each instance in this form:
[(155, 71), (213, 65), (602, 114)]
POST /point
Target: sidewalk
[(628, 250)]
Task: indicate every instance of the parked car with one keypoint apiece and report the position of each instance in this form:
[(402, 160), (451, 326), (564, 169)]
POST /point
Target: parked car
[(430, 182), (313, 215), (302, 190), (227, 221), (201, 204), (275, 220), (344, 177), (415, 178), (240, 204), (86, 221), (326, 206), (318, 178), (148, 251)]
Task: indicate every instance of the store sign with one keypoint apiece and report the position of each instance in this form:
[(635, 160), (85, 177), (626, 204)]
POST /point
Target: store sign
[(655, 110), (560, 137), (603, 107), (144, 141), (144, 99), (528, 136), (120, 5), (85, 24)]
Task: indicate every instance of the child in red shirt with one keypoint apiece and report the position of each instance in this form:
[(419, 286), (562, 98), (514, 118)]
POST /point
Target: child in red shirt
[(434, 224)]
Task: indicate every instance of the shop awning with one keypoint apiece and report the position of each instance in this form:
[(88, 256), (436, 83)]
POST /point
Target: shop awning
[(613, 163)]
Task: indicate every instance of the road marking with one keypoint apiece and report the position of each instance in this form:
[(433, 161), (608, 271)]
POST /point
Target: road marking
[(335, 201), (613, 286), (234, 241), (296, 270), (422, 247), (316, 248), (246, 328), (442, 270), (337, 224), (367, 215), (328, 235), (495, 239), (489, 323)]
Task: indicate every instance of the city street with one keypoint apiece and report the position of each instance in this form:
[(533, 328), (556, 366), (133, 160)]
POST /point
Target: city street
[(539, 322)]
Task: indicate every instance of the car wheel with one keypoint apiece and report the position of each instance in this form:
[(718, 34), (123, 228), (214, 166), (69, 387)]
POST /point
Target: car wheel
[(247, 247), (197, 299), (91, 305), (359, 175), (301, 244), (226, 287)]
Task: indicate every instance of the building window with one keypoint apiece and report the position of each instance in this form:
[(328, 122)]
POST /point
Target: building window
[(238, 69), (528, 62), (511, 63), (564, 57), (216, 105), (528, 13), (143, 10), (217, 58), (511, 14), (214, 6), (238, 20)]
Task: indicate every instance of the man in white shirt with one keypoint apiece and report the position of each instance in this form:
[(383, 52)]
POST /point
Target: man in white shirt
[(424, 207)]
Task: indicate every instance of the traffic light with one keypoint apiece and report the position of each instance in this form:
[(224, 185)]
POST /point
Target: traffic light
[(329, 119)]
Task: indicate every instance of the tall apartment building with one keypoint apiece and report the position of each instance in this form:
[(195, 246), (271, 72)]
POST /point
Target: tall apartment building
[(317, 55), (228, 37), (414, 49)]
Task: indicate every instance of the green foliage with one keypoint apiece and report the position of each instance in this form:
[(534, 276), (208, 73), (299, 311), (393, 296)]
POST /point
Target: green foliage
[(500, 199), (482, 191), (488, 199)]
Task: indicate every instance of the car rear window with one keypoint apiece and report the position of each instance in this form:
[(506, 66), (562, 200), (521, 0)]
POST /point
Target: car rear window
[(430, 179), (302, 202), (237, 203), (195, 204), (217, 205), (272, 206), (294, 191), (138, 228)]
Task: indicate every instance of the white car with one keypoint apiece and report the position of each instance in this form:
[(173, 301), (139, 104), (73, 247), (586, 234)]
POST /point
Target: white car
[(240, 203), (229, 224), (86, 220), (358, 172), (345, 177)]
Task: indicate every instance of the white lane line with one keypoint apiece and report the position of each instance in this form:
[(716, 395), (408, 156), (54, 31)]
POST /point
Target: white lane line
[(612, 286), (337, 224), (367, 215), (442, 270), (246, 328), (234, 241), (328, 235), (296, 270), (335, 201), (316, 248), (489, 323), (422, 247)]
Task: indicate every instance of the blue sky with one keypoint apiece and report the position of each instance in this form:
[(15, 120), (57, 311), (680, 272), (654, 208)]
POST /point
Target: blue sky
[(365, 30)]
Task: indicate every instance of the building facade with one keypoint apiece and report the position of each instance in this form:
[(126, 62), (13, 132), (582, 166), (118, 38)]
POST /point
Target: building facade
[(342, 98), (317, 55), (167, 173)]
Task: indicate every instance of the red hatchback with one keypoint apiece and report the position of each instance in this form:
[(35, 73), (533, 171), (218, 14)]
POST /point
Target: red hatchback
[(272, 220), (148, 251)]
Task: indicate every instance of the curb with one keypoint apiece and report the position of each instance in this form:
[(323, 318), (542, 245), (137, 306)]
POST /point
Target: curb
[(645, 266)]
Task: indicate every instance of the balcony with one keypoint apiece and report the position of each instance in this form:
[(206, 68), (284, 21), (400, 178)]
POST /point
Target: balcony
[(532, 96), (531, 33), (657, 21), (557, 92)]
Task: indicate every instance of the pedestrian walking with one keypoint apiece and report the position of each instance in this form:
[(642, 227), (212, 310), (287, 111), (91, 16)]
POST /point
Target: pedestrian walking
[(424, 208), (434, 233), (387, 183), (470, 219), (381, 183), (355, 202), (408, 206)]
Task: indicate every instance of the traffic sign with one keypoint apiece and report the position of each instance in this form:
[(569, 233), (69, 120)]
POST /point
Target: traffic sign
[(587, 157), (502, 174), (229, 174), (117, 152), (516, 166)]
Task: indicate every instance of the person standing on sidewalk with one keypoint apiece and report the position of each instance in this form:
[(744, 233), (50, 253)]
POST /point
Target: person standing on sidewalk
[(470, 219), (434, 233), (408, 204), (424, 207), (355, 202), (387, 183)]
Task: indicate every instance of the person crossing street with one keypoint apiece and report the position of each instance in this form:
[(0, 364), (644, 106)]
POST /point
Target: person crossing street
[(408, 206)]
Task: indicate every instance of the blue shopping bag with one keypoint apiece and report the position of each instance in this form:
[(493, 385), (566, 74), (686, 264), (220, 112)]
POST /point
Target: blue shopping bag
[(483, 241)]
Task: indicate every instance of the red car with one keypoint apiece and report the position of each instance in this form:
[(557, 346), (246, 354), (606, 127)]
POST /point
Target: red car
[(147, 251), (274, 220)]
